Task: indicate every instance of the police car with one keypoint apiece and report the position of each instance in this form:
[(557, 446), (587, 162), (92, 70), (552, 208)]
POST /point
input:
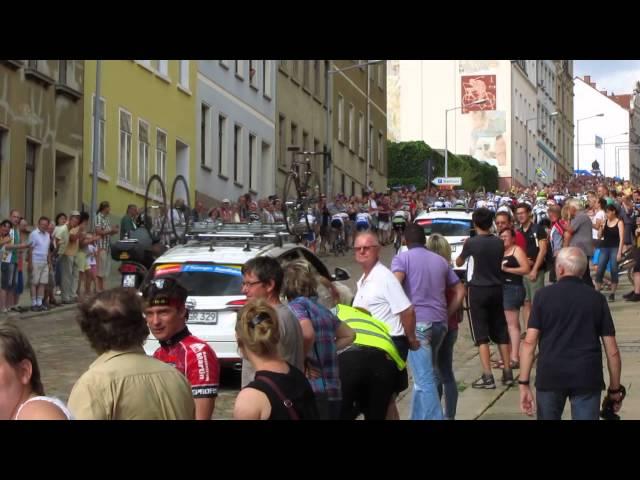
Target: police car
[(454, 224), (209, 267)]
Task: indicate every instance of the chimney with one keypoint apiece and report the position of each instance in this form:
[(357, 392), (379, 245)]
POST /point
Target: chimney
[(604, 92), (587, 79)]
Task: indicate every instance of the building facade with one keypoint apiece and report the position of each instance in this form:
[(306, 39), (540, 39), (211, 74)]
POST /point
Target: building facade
[(564, 119), (41, 135), (634, 135), (498, 111), (147, 126), (236, 105), (357, 137), (602, 130)]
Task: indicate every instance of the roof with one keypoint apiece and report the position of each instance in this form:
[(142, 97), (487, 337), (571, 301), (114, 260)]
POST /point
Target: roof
[(443, 213), (233, 255)]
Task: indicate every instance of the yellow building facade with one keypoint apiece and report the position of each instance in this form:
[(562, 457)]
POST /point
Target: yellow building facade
[(147, 126)]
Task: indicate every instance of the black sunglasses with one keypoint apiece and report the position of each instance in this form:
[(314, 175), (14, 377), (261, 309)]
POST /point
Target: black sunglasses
[(258, 319)]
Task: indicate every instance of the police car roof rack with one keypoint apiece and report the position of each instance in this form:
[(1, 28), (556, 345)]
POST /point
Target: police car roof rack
[(255, 232)]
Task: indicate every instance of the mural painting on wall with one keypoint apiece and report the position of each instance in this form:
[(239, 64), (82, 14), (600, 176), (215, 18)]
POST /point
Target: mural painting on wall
[(488, 137), (476, 88)]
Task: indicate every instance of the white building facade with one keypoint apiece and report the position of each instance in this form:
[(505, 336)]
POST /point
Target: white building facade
[(603, 138)]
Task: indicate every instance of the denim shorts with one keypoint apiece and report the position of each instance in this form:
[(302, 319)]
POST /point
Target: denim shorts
[(9, 276), (513, 296)]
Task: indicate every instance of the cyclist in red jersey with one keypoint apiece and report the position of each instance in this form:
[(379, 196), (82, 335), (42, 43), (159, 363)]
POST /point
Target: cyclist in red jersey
[(166, 317)]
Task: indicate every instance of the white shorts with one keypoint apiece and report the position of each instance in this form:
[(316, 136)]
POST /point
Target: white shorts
[(384, 226), (39, 273)]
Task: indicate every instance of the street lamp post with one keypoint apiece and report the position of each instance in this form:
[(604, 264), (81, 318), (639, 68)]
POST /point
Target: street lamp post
[(97, 114), (526, 140), (328, 137), (578, 132), (446, 131)]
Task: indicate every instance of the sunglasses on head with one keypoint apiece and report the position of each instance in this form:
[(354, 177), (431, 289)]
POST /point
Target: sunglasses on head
[(258, 319)]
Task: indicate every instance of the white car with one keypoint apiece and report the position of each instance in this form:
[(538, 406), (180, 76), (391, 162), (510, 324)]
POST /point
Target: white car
[(209, 267), (453, 224)]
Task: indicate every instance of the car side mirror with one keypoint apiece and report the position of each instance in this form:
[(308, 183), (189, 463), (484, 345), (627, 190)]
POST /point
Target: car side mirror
[(340, 274)]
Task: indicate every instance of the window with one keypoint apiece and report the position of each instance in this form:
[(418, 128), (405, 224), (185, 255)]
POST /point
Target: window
[(340, 118), (381, 75), (380, 152), (32, 64), (283, 64), (343, 183), (361, 144), (306, 74), (266, 78), (238, 68), (143, 153), (282, 140), (163, 67), (316, 145), (253, 170), (101, 134), (294, 134), (253, 73), (294, 70), (305, 141), (161, 155), (265, 158), (183, 78), (222, 144), (30, 180), (205, 135), (316, 77), (124, 163), (352, 135), (62, 72), (237, 153)]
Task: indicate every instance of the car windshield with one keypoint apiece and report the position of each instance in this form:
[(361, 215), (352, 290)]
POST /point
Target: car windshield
[(203, 279), (447, 227)]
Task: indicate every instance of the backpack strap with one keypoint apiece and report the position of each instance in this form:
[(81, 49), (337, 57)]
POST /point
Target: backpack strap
[(283, 398)]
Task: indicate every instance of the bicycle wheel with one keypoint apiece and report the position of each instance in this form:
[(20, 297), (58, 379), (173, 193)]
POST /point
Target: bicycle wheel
[(155, 208), (293, 207), (314, 188), (180, 226)]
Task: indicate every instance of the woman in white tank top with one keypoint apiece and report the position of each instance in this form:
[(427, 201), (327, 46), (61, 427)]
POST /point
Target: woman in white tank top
[(21, 391)]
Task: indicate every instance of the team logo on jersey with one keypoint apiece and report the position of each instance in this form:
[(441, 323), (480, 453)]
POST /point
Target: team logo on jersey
[(197, 347)]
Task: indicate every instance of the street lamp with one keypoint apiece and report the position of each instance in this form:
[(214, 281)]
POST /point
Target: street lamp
[(526, 140), (604, 151), (328, 90), (578, 132), (446, 125)]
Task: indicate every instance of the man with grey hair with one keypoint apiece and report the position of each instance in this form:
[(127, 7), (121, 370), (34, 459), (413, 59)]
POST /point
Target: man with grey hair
[(570, 355), (579, 234)]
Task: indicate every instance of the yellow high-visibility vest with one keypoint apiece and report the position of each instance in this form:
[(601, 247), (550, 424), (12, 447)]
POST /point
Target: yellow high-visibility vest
[(370, 332)]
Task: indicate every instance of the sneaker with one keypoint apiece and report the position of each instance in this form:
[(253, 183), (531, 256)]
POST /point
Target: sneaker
[(35, 308), (507, 378), (485, 381), (43, 308), (628, 295), (634, 298), (612, 297)]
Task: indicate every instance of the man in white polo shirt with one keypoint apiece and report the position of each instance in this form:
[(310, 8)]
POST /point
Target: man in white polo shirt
[(381, 294), (40, 241)]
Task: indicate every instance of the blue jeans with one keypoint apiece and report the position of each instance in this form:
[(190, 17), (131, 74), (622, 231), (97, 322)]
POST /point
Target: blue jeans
[(425, 403), (607, 256), (447, 378), (585, 405)]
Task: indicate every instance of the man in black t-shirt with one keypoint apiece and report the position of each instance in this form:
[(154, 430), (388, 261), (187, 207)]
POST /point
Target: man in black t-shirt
[(484, 281), (537, 245), (570, 356)]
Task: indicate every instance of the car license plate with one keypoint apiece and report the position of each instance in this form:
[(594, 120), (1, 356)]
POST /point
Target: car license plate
[(129, 281), (208, 317)]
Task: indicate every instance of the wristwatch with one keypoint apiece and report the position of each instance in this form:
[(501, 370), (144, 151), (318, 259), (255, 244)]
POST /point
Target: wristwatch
[(523, 382)]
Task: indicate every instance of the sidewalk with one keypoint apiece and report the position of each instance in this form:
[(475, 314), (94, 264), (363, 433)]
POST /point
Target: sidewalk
[(25, 299), (503, 403)]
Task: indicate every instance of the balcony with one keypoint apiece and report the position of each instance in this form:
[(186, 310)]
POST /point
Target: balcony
[(67, 91), (14, 64), (32, 73)]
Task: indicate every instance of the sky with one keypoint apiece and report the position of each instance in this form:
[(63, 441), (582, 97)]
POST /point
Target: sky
[(618, 76)]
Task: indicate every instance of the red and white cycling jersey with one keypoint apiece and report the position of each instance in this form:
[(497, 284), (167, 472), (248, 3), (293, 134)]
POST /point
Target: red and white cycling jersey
[(195, 359)]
